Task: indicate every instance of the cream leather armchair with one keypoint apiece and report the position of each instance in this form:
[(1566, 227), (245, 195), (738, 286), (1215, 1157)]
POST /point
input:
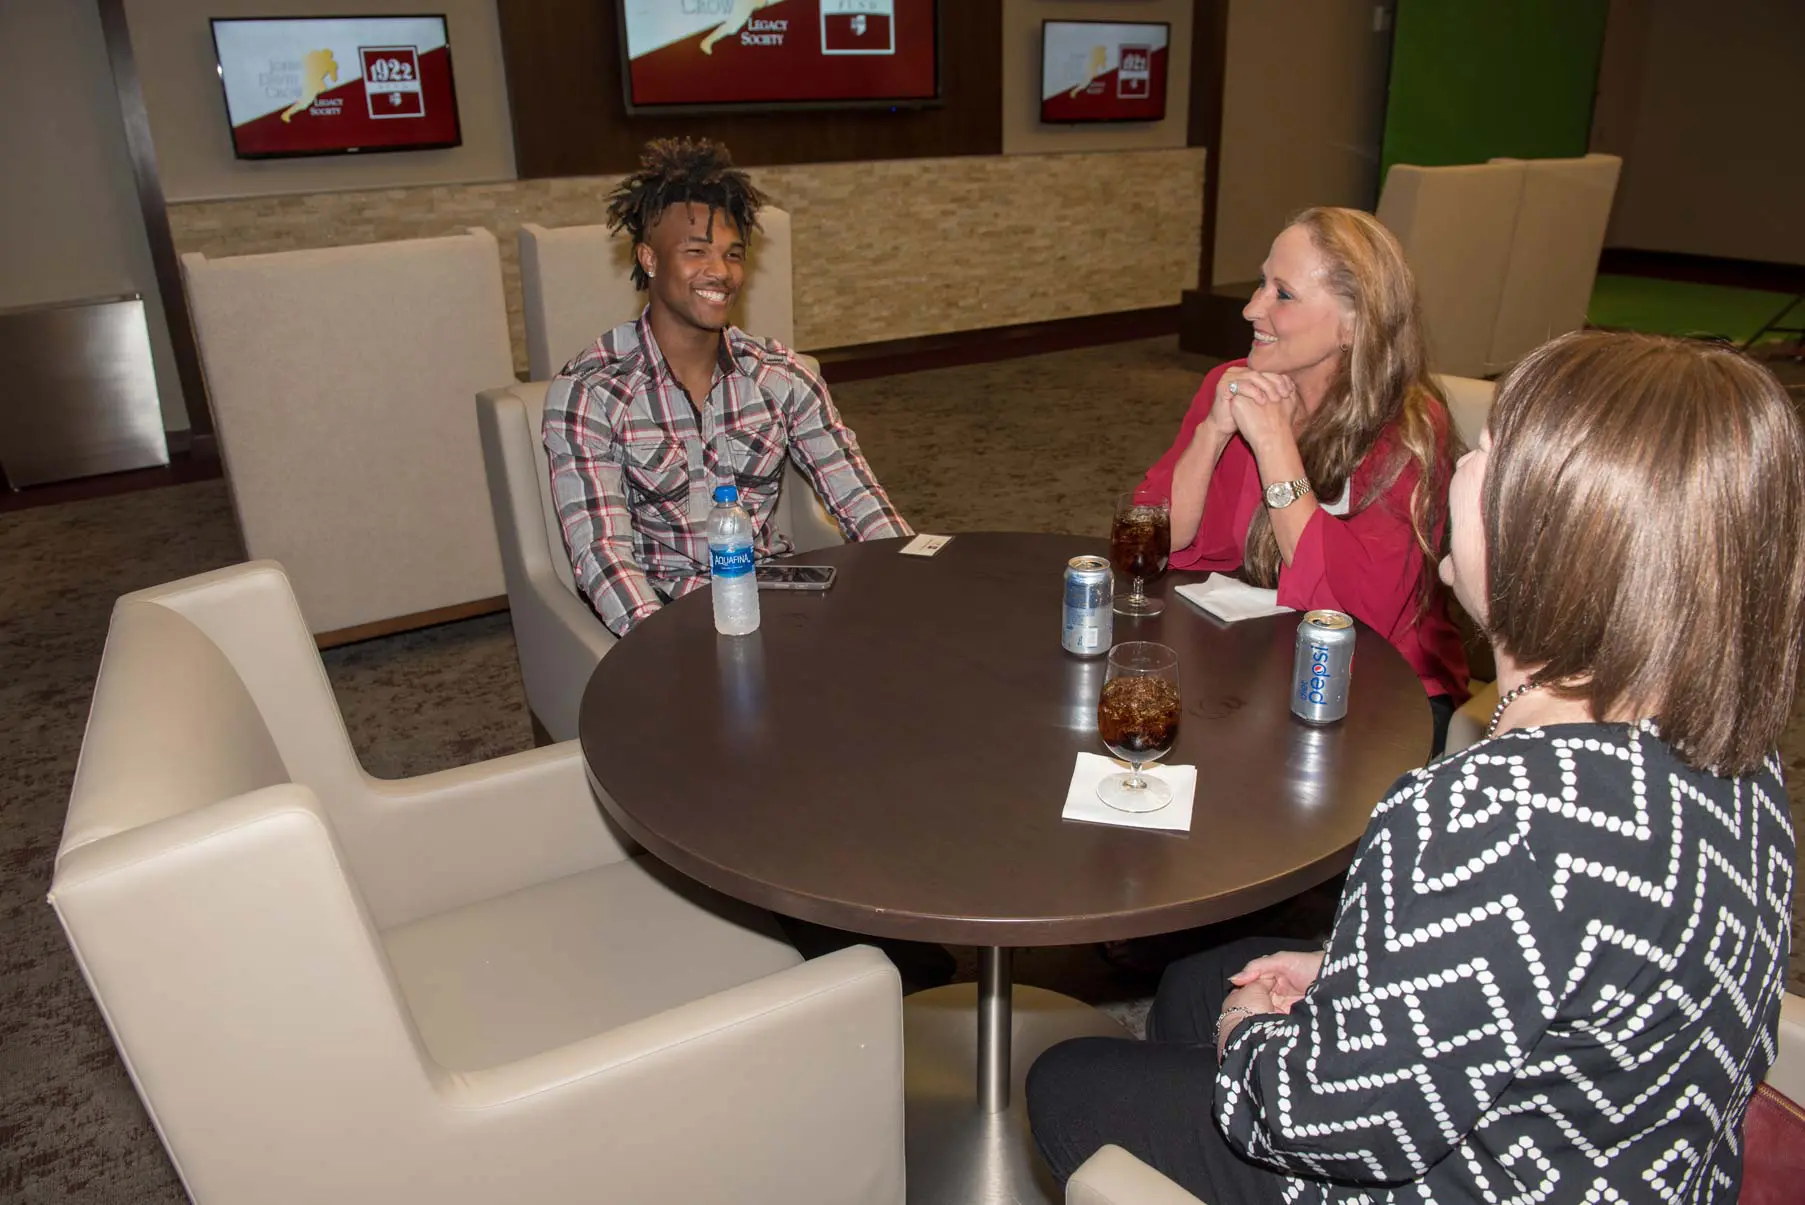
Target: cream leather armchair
[(1112, 1176), (559, 638), (1505, 253), (1561, 219), (1456, 225), (453, 988), (576, 283), (340, 379)]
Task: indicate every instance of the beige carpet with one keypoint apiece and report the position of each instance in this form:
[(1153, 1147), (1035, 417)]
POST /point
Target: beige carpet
[(1036, 445)]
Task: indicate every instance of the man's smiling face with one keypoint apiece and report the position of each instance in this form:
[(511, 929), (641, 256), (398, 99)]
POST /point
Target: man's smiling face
[(696, 257)]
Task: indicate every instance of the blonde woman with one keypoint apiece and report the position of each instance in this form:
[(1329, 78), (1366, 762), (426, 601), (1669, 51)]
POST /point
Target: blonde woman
[(1319, 464)]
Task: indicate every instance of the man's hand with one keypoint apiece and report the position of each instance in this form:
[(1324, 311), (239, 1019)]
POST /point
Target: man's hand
[(1283, 976)]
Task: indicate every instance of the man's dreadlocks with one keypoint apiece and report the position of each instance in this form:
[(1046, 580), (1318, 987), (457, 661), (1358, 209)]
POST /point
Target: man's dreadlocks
[(676, 171)]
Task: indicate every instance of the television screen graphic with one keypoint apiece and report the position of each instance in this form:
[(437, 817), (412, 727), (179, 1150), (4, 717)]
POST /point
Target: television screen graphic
[(338, 85), (770, 53), (392, 81), (845, 32), (1102, 71)]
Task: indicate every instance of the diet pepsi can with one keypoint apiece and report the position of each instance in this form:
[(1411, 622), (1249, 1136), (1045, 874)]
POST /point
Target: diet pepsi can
[(1323, 664), (1089, 623)]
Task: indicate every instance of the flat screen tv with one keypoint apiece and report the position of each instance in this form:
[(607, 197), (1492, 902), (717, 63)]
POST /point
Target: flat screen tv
[(702, 55), (1103, 71), (336, 85)]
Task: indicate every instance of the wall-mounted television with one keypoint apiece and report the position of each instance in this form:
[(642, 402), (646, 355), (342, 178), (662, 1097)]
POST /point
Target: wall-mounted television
[(336, 85), (703, 55), (1103, 71)]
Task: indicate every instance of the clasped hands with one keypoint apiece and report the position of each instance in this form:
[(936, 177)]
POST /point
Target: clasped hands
[(1264, 408), (1271, 983)]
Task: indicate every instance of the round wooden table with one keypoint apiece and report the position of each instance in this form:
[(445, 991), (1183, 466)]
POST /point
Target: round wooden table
[(892, 757)]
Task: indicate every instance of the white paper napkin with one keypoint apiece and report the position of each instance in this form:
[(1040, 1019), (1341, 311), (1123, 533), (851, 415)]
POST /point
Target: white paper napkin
[(1231, 600), (1081, 802)]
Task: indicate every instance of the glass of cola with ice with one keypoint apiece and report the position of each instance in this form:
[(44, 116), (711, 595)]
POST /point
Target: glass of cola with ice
[(1140, 543), (1137, 717)]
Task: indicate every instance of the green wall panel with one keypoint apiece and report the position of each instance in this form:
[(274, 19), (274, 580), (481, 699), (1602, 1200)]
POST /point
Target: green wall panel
[(1474, 79)]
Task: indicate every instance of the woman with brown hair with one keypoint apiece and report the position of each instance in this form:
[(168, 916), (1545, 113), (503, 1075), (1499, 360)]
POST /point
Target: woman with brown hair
[(1319, 464), (1557, 967)]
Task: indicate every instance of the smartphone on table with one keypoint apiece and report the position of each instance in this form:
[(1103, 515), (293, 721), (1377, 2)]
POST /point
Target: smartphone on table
[(795, 577)]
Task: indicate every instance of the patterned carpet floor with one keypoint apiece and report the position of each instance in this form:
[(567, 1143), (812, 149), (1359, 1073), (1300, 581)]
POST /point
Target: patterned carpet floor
[(1037, 444)]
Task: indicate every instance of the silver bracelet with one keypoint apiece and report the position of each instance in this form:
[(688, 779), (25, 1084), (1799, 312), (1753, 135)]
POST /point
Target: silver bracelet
[(1228, 1012)]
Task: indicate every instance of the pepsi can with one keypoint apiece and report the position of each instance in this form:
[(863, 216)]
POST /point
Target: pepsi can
[(1320, 671), (1089, 621)]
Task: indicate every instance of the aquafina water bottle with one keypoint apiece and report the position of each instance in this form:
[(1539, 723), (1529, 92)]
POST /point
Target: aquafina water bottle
[(730, 562)]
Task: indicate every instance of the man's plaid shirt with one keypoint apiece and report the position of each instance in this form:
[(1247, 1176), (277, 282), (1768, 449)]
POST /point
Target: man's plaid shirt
[(628, 452)]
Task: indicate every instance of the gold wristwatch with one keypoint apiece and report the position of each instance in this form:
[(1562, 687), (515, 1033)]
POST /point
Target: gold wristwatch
[(1281, 494)]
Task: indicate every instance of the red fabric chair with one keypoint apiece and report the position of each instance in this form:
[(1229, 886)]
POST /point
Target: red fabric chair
[(1773, 1164)]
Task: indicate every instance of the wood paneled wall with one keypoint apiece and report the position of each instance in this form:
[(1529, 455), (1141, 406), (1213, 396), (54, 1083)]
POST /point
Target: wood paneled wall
[(564, 84)]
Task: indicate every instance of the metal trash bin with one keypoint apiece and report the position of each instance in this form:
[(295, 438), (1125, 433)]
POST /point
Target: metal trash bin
[(78, 393)]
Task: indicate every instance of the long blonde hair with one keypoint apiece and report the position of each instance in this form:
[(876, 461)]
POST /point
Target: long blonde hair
[(1383, 379)]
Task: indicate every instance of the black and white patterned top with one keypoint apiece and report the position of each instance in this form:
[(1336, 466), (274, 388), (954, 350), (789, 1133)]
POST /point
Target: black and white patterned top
[(1555, 976)]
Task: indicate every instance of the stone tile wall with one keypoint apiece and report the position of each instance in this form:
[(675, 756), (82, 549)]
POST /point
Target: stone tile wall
[(883, 250)]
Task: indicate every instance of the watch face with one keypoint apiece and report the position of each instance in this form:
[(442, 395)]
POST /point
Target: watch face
[(1281, 494)]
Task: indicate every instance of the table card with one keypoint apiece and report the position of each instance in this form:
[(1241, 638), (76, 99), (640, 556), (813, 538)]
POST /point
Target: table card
[(1081, 802), (925, 545)]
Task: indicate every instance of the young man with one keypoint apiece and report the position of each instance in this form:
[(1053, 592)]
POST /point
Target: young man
[(644, 425)]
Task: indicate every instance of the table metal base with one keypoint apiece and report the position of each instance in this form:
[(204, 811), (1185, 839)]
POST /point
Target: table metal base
[(958, 1151)]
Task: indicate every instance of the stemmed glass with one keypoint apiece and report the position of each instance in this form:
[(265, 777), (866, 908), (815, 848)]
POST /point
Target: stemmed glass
[(1140, 542), (1137, 716)]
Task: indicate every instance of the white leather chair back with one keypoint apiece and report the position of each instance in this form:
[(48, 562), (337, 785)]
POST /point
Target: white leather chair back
[(1469, 405), (340, 381), (1456, 225), (576, 283), (1566, 205)]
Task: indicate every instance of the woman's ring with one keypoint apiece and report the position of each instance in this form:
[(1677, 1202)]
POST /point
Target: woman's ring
[(1234, 387)]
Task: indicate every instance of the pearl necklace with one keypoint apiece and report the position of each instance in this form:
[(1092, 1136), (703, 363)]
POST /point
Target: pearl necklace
[(1510, 696)]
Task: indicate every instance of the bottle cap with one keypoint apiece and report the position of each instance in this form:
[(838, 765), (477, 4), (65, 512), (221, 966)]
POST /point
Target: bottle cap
[(726, 495)]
